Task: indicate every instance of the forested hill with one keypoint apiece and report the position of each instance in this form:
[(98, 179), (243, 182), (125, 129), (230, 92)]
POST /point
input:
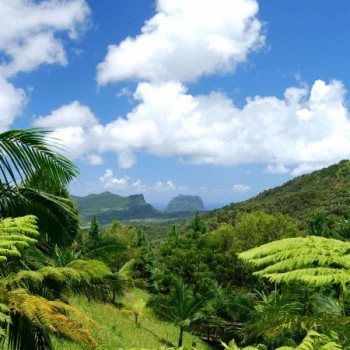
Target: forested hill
[(326, 190), (108, 206)]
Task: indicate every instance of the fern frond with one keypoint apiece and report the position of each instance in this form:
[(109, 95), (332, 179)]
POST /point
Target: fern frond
[(314, 260), (52, 316), (16, 233), (90, 269)]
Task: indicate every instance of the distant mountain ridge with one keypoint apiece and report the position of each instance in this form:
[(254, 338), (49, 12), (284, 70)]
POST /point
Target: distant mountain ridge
[(183, 203), (326, 190), (108, 206)]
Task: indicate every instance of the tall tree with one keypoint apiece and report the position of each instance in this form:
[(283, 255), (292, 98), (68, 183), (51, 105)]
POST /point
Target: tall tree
[(94, 229)]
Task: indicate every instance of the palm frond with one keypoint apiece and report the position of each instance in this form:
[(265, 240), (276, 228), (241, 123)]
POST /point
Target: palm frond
[(25, 152), (58, 218)]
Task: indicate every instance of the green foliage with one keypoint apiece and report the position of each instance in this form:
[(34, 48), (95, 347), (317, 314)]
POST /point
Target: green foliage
[(326, 190), (16, 233), (198, 226), (27, 318), (257, 228), (313, 260), (117, 328), (33, 181), (26, 152), (180, 307), (94, 229), (312, 341)]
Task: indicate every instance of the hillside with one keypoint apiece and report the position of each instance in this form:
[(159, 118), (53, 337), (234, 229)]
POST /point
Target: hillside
[(185, 203), (326, 190), (116, 328), (108, 206)]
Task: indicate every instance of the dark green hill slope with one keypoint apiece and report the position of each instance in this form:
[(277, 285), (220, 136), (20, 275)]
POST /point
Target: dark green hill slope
[(108, 206), (326, 190)]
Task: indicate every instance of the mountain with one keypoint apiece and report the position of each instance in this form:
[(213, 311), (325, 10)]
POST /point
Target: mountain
[(108, 206), (326, 190), (183, 203)]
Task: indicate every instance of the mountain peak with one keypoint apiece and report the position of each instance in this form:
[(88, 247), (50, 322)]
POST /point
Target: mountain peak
[(185, 203)]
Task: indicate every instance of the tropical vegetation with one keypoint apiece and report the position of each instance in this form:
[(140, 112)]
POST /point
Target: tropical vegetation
[(270, 273)]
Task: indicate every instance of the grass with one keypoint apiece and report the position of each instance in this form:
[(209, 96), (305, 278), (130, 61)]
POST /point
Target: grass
[(117, 328)]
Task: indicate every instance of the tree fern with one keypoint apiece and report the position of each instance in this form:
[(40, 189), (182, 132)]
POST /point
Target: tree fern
[(313, 260), (29, 317), (15, 233), (45, 315)]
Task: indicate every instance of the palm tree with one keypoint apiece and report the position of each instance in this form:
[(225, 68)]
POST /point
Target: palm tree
[(180, 307), (33, 180)]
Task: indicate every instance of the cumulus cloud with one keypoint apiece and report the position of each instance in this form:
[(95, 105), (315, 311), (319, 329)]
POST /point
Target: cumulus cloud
[(28, 28), (276, 169), (73, 114), (28, 38), (12, 101), (108, 180), (168, 186), (241, 188), (305, 127), (76, 128), (308, 167), (139, 186), (184, 40)]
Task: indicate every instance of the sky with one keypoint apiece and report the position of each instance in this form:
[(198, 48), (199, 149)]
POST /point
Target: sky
[(217, 98)]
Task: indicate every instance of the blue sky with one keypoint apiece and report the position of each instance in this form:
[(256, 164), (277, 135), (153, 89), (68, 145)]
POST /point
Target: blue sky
[(221, 99)]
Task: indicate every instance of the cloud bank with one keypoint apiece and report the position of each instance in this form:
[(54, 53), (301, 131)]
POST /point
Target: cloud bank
[(307, 128)]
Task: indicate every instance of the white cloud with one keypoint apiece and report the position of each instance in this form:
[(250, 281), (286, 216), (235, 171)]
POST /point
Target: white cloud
[(95, 159), (308, 167), (108, 180), (126, 159), (210, 129), (73, 114), (28, 38), (124, 92), (240, 188), (184, 40), (12, 101), (168, 186), (139, 186), (28, 29), (77, 129), (276, 169)]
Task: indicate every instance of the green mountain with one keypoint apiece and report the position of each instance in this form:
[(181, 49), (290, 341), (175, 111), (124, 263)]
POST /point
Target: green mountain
[(326, 190), (183, 203), (108, 206)]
